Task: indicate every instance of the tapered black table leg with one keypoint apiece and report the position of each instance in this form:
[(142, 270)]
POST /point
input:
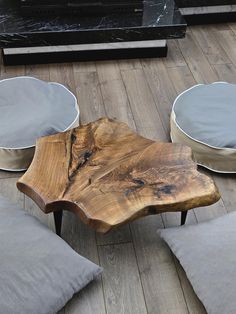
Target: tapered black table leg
[(58, 221), (183, 217)]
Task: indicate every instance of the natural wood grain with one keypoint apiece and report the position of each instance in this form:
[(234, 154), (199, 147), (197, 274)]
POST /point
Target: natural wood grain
[(175, 57), (7, 72), (88, 92), (157, 270), (115, 236), (157, 78), (174, 291), (194, 305), (209, 44), (210, 212), (122, 286), (114, 94), (196, 60), (227, 184), (82, 239), (40, 71), (129, 64), (226, 72), (109, 175), (63, 73), (182, 78), (227, 40), (144, 231), (84, 67), (143, 105), (89, 300), (116, 105)]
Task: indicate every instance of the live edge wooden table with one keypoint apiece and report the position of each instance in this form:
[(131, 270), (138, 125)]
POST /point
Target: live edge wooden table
[(108, 175)]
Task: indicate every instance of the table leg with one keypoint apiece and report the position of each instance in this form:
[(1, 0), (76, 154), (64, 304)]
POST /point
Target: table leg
[(58, 221), (183, 217)]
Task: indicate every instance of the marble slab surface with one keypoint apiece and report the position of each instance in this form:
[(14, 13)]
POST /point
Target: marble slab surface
[(160, 20)]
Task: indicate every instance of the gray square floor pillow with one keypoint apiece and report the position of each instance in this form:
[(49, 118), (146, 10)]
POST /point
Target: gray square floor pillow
[(203, 117), (31, 108), (39, 272), (207, 252)]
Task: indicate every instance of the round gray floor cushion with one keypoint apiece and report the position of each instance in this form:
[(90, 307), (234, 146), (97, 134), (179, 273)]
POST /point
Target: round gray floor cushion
[(29, 109), (204, 118)]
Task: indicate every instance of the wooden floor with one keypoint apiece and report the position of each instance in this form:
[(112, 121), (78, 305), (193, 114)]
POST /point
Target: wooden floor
[(140, 273)]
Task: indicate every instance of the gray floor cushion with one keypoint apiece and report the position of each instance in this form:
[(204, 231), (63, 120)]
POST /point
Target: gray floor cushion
[(39, 272), (207, 252), (203, 118), (31, 108)]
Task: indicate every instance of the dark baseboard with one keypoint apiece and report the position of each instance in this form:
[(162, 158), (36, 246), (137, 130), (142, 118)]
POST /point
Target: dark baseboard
[(210, 18), (86, 55)]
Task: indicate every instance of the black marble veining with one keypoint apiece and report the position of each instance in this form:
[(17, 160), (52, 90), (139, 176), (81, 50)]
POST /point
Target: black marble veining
[(203, 3), (160, 20)]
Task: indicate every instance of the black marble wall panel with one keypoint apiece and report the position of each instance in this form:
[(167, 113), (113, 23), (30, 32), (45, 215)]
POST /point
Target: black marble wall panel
[(160, 20)]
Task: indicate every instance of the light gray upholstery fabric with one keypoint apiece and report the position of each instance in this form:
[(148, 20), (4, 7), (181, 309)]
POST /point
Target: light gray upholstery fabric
[(207, 252), (39, 272), (31, 108), (207, 113), (203, 118)]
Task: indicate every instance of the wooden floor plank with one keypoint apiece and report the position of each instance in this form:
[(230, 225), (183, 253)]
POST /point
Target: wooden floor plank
[(219, 26), (193, 303), (196, 60), (130, 64), (89, 301), (40, 71), (227, 186), (84, 67), (181, 78), (161, 88), (63, 73), (82, 239), (79, 236), (10, 71), (147, 118), (122, 286), (157, 277), (226, 72), (120, 235), (232, 26), (209, 44), (114, 94), (210, 212), (89, 96), (116, 106), (213, 211), (162, 289), (227, 40), (141, 275), (174, 57)]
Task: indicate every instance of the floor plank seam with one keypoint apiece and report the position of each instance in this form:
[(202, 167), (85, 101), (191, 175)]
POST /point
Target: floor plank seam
[(141, 282)]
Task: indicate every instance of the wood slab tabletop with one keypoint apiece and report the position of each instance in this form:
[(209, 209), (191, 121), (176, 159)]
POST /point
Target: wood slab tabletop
[(109, 175)]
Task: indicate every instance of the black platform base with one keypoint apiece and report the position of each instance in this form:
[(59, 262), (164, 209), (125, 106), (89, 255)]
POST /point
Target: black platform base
[(74, 53), (196, 14), (210, 18)]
